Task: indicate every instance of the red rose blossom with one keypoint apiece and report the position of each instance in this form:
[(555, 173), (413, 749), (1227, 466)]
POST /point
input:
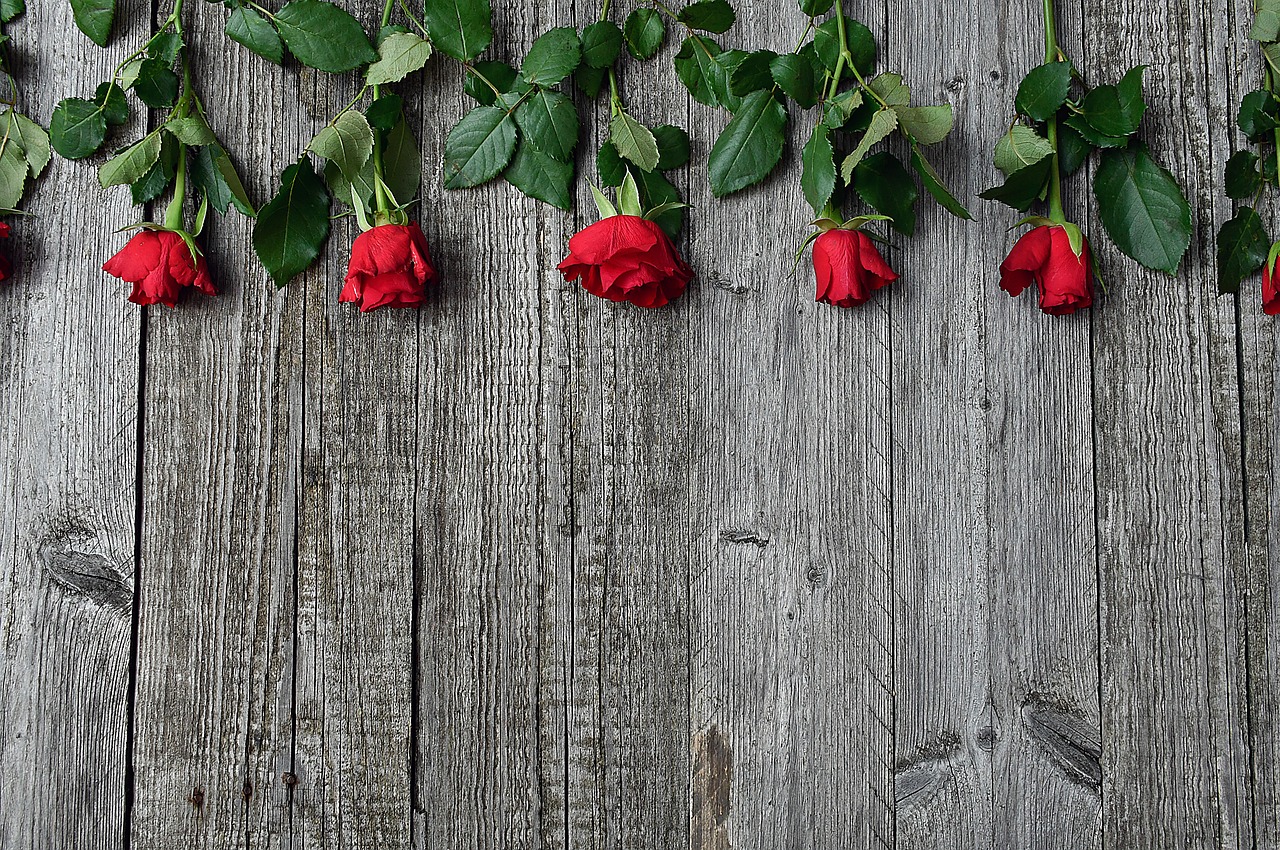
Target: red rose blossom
[(848, 268), (6, 265), (390, 267), (1270, 294), (1044, 255), (627, 258), (159, 264)]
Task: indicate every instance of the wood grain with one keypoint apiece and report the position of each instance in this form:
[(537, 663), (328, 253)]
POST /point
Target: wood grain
[(1175, 753), (69, 383)]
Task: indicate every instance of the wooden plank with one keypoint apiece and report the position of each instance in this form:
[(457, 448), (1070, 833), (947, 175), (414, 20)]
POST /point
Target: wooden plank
[(1259, 407), (1170, 514), (630, 388), (493, 622), (223, 437), (790, 600), (68, 453), (353, 707), (998, 718)]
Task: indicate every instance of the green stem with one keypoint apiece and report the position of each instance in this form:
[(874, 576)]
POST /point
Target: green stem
[(173, 214), (379, 186), (604, 11), (615, 101), (1056, 213)]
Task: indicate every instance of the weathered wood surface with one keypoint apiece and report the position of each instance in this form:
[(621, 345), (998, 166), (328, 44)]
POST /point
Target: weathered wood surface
[(526, 569)]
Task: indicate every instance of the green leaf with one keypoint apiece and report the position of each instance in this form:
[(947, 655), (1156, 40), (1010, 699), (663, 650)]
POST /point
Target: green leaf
[(157, 178), (1073, 150), (399, 55), (885, 184), (656, 192), (248, 28), (1259, 115), (1020, 147), (750, 146), (927, 125), (541, 177), (601, 44), (460, 28), (156, 84), (10, 9), (94, 18), (13, 176), (500, 74), (1116, 111), (294, 224), (385, 112), (708, 15), (549, 122), (402, 162), (115, 107), (860, 41), (884, 122), (816, 8), (610, 168), (1266, 22), (1081, 126), (553, 56), (673, 146), (634, 141), (1043, 91), (478, 147), (1242, 175), (213, 172), (818, 178), (165, 47), (30, 137), (706, 79), (191, 131), (891, 89), (347, 143), (1243, 246), (1024, 186), (77, 128), (589, 80), (132, 163), (753, 73), (839, 109), (794, 75), (933, 183), (1142, 208), (643, 31), (324, 37)]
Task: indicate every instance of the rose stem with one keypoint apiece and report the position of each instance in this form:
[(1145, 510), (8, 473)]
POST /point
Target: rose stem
[(1051, 54), (384, 207)]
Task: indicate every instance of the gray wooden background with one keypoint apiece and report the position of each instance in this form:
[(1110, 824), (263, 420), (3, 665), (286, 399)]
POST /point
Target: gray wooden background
[(524, 569)]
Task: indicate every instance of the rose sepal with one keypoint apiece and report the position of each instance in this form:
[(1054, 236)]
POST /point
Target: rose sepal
[(629, 202)]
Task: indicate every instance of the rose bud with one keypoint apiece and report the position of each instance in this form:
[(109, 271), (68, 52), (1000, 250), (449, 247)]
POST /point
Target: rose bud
[(627, 258), (1046, 256), (159, 263), (6, 265), (390, 267), (1270, 294), (848, 267)]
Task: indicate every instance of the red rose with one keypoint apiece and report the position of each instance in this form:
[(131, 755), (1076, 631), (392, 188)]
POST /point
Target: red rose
[(1270, 295), (1044, 255), (159, 263), (848, 268), (627, 258), (6, 265), (390, 267)]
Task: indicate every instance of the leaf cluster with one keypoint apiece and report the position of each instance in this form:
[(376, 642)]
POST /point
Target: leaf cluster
[(79, 128), (1140, 204), (1244, 245)]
